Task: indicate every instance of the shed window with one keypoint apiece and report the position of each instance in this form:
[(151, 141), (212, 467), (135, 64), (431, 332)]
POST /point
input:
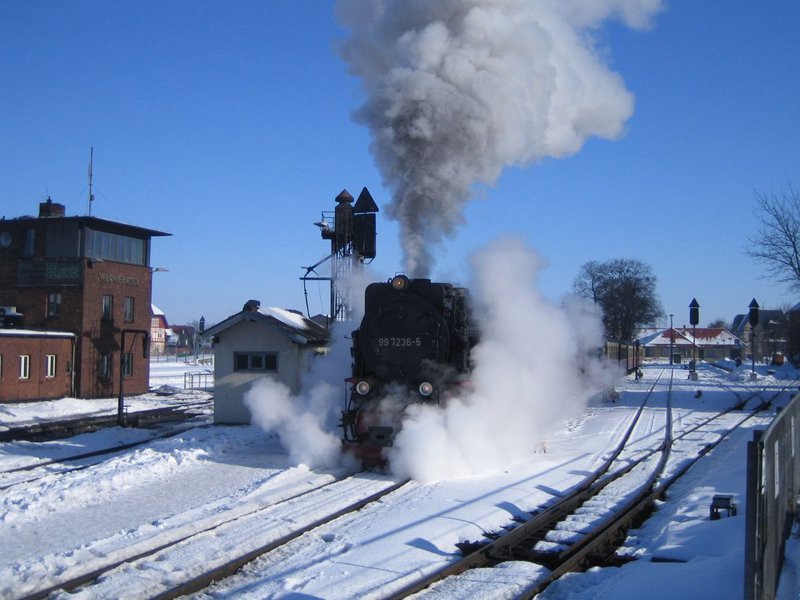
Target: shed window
[(24, 366), (255, 361), (50, 366)]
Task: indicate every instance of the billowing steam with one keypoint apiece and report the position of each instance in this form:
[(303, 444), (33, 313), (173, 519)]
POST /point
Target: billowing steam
[(459, 89), (531, 374), (306, 423), (533, 371)]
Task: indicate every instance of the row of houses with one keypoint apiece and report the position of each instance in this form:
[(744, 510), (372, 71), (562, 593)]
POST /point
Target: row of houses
[(777, 335)]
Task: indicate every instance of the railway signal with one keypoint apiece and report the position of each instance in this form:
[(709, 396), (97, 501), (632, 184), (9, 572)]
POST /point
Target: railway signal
[(752, 318), (694, 319)]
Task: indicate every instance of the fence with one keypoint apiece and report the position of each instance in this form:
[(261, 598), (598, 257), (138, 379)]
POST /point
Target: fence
[(773, 476), (198, 380)]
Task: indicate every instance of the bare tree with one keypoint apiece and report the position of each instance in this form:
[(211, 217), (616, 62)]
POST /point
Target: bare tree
[(625, 291), (777, 243)]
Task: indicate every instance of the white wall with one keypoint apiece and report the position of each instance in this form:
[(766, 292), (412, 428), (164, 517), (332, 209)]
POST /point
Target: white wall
[(230, 386)]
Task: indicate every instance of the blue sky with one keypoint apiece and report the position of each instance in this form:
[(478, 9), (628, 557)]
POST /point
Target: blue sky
[(229, 125)]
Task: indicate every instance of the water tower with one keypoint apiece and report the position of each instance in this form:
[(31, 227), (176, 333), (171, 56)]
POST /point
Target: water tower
[(351, 231)]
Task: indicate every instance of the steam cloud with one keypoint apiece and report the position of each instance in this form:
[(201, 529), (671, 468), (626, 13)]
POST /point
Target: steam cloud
[(307, 423), (530, 376), (459, 89)]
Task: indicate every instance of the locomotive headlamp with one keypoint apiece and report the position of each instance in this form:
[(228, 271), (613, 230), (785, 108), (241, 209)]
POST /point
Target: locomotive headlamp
[(426, 388), (363, 388), (399, 283)]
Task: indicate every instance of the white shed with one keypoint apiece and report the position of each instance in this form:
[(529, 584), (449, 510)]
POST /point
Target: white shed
[(260, 342)]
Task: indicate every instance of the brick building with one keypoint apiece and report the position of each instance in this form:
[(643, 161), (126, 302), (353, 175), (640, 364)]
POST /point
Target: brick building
[(87, 276)]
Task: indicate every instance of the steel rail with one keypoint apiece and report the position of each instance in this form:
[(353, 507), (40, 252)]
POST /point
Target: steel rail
[(75, 582)]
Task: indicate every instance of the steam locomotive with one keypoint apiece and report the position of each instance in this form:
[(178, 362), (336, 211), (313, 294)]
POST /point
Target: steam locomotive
[(413, 345)]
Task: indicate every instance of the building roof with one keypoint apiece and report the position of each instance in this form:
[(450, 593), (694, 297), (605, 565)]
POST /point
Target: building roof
[(703, 336), (35, 333), (297, 327), (93, 223)]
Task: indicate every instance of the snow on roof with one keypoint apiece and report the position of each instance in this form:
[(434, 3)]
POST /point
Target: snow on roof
[(34, 333), (704, 336), (157, 312), (301, 329), (290, 318)]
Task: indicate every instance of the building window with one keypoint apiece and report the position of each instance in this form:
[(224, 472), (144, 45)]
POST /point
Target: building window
[(24, 366), (116, 247), (1, 374), (255, 361), (108, 308), (128, 309), (53, 304), (105, 366), (29, 244), (127, 364), (50, 366)]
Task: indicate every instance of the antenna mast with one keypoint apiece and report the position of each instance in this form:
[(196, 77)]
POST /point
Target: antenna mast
[(91, 195)]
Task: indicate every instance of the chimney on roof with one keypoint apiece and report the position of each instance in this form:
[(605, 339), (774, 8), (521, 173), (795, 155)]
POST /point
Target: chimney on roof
[(50, 209), (252, 305)]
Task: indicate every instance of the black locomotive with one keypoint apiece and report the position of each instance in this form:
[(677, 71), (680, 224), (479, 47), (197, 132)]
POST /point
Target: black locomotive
[(413, 345)]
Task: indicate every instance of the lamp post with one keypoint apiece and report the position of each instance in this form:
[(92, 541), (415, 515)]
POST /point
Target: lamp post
[(122, 363), (671, 340), (752, 317), (694, 319)]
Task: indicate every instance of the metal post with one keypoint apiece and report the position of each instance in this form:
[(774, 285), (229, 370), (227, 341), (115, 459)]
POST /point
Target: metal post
[(121, 399), (671, 340), (753, 320)]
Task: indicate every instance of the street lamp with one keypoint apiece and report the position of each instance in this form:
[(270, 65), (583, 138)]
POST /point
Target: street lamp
[(752, 317), (694, 319)]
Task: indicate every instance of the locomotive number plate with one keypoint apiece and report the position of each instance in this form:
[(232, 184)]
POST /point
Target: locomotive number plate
[(399, 342)]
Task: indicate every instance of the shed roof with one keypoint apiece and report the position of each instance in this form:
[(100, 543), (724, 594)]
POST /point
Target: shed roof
[(297, 327)]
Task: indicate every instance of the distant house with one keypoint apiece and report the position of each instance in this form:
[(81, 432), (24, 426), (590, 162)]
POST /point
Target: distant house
[(771, 333), (182, 338), (260, 342), (702, 343), (159, 330)]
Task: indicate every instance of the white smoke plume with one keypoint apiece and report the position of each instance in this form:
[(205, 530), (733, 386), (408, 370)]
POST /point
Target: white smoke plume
[(307, 422), (530, 376), (457, 90)]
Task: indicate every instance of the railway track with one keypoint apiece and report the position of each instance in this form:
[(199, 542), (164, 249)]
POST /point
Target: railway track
[(192, 552), (51, 430), (65, 464), (191, 561), (585, 528)]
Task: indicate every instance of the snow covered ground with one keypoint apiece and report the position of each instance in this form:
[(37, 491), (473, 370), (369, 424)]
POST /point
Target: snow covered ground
[(238, 478)]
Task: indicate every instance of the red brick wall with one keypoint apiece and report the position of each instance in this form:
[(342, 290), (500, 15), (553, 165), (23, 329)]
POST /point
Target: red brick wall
[(37, 386), (99, 336)]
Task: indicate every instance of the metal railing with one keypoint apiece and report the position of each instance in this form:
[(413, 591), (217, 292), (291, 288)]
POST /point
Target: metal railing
[(773, 477), (198, 380)]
